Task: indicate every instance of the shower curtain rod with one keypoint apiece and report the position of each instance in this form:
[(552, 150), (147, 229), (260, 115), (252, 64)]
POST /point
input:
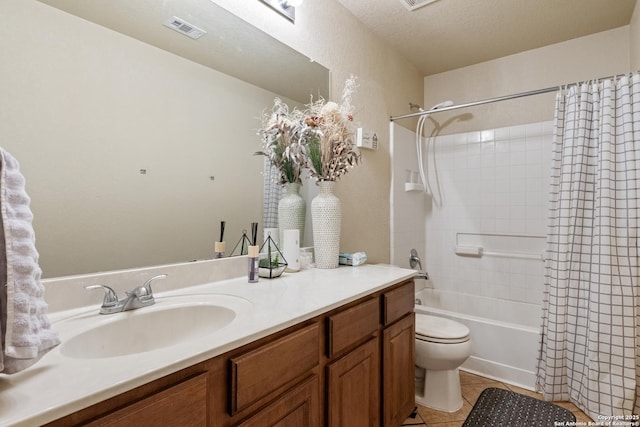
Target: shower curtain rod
[(500, 98)]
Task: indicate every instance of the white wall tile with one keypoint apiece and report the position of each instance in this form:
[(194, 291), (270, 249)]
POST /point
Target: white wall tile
[(492, 181)]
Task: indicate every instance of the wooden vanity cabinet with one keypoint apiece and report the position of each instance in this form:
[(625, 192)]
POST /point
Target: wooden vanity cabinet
[(353, 369), (353, 387), (398, 346), (348, 327), (398, 353), (297, 407), (179, 399), (260, 372), (373, 383), (352, 366), (184, 404)]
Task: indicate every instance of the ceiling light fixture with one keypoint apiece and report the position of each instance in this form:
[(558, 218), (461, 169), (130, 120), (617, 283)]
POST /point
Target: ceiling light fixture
[(286, 8)]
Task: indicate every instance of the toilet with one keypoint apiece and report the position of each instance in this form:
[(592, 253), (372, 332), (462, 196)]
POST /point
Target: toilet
[(442, 345)]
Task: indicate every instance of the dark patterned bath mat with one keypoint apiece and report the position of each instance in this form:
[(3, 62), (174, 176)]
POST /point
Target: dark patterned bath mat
[(498, 407)]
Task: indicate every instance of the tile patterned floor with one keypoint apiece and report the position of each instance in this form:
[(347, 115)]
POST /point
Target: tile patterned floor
[(472, 385)]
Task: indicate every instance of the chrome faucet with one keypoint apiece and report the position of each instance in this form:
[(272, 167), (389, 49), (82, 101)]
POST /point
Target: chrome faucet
[(140, 296), (422, 275), (414, 260)]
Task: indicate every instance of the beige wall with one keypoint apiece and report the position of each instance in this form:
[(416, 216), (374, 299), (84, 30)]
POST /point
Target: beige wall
[(328, 33), (635, 39), (84, 109), (57, 117), (597, 55)]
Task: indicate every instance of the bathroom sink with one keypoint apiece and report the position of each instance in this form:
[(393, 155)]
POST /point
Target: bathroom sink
[(169, 322)]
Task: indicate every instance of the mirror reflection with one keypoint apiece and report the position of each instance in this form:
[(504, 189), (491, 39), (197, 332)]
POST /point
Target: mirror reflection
[(133, 154)]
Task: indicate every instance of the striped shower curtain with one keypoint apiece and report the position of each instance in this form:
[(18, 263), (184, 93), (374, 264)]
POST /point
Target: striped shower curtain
[(590, 338)]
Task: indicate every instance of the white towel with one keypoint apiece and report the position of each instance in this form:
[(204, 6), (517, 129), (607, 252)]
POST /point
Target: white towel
[(25, 330)]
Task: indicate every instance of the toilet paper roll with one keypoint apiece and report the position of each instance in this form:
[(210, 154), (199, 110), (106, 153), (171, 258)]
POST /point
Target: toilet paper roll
[(291, 249)]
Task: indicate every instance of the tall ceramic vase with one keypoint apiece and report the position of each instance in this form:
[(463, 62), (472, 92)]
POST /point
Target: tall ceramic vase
[(326, 215), (291, 210)]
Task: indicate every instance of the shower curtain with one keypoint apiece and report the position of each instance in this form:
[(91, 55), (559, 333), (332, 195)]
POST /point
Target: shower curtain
[(590, 337), (271, 193)]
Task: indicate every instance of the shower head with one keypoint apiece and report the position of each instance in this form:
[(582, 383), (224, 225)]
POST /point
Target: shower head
[(443, 104)]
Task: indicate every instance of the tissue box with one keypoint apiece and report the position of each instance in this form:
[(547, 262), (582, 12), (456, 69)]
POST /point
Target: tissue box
[(352, 258)]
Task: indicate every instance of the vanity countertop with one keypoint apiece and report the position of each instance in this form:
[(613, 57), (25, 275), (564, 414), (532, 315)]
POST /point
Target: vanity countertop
[(58, 385)]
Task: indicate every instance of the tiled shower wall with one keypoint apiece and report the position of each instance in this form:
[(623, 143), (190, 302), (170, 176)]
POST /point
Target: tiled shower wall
[(494, 193)]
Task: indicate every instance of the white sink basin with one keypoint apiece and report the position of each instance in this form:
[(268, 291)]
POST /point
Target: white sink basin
[(171, 321)]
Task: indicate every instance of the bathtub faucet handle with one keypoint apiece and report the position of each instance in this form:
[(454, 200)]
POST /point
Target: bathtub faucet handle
[(414, 259)]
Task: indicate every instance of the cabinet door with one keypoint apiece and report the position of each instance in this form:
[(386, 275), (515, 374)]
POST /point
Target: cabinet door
[(398, 342), (299, 407), (184, 404), (353, 388)]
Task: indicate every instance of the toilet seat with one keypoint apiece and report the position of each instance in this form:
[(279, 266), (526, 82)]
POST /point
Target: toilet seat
[(440, 330)]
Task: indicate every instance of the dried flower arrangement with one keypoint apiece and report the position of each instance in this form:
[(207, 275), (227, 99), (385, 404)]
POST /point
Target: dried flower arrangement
[(319, 138), (328, 136), (281, 141)]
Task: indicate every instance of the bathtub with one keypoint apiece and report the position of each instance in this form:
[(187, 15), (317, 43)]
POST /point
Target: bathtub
[(500, 350)]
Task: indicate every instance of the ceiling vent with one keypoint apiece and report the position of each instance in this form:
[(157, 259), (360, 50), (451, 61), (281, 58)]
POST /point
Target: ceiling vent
[(416, 4), (183, 27)]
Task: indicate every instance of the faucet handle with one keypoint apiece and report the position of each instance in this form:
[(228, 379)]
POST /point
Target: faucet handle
[(110, 296), (414, 259), (148, 292)]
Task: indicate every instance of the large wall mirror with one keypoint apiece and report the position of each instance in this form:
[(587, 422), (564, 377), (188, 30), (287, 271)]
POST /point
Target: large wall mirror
[(136, 140)]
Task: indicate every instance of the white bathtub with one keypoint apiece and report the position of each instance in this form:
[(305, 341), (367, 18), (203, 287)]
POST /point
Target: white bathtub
[(500, 350)]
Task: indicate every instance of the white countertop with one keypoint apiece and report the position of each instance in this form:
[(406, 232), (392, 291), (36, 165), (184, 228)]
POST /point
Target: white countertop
[(58, 385)]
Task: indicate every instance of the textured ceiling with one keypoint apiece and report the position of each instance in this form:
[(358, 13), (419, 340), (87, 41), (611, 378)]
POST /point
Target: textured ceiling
[(449, 34)]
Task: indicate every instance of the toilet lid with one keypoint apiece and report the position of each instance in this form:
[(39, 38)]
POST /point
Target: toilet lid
[(433, 328)]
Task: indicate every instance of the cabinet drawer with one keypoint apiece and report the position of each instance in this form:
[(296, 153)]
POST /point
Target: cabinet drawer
[(262, 371), (184, 404), (297, 407), (397, 303), (352, 325)]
